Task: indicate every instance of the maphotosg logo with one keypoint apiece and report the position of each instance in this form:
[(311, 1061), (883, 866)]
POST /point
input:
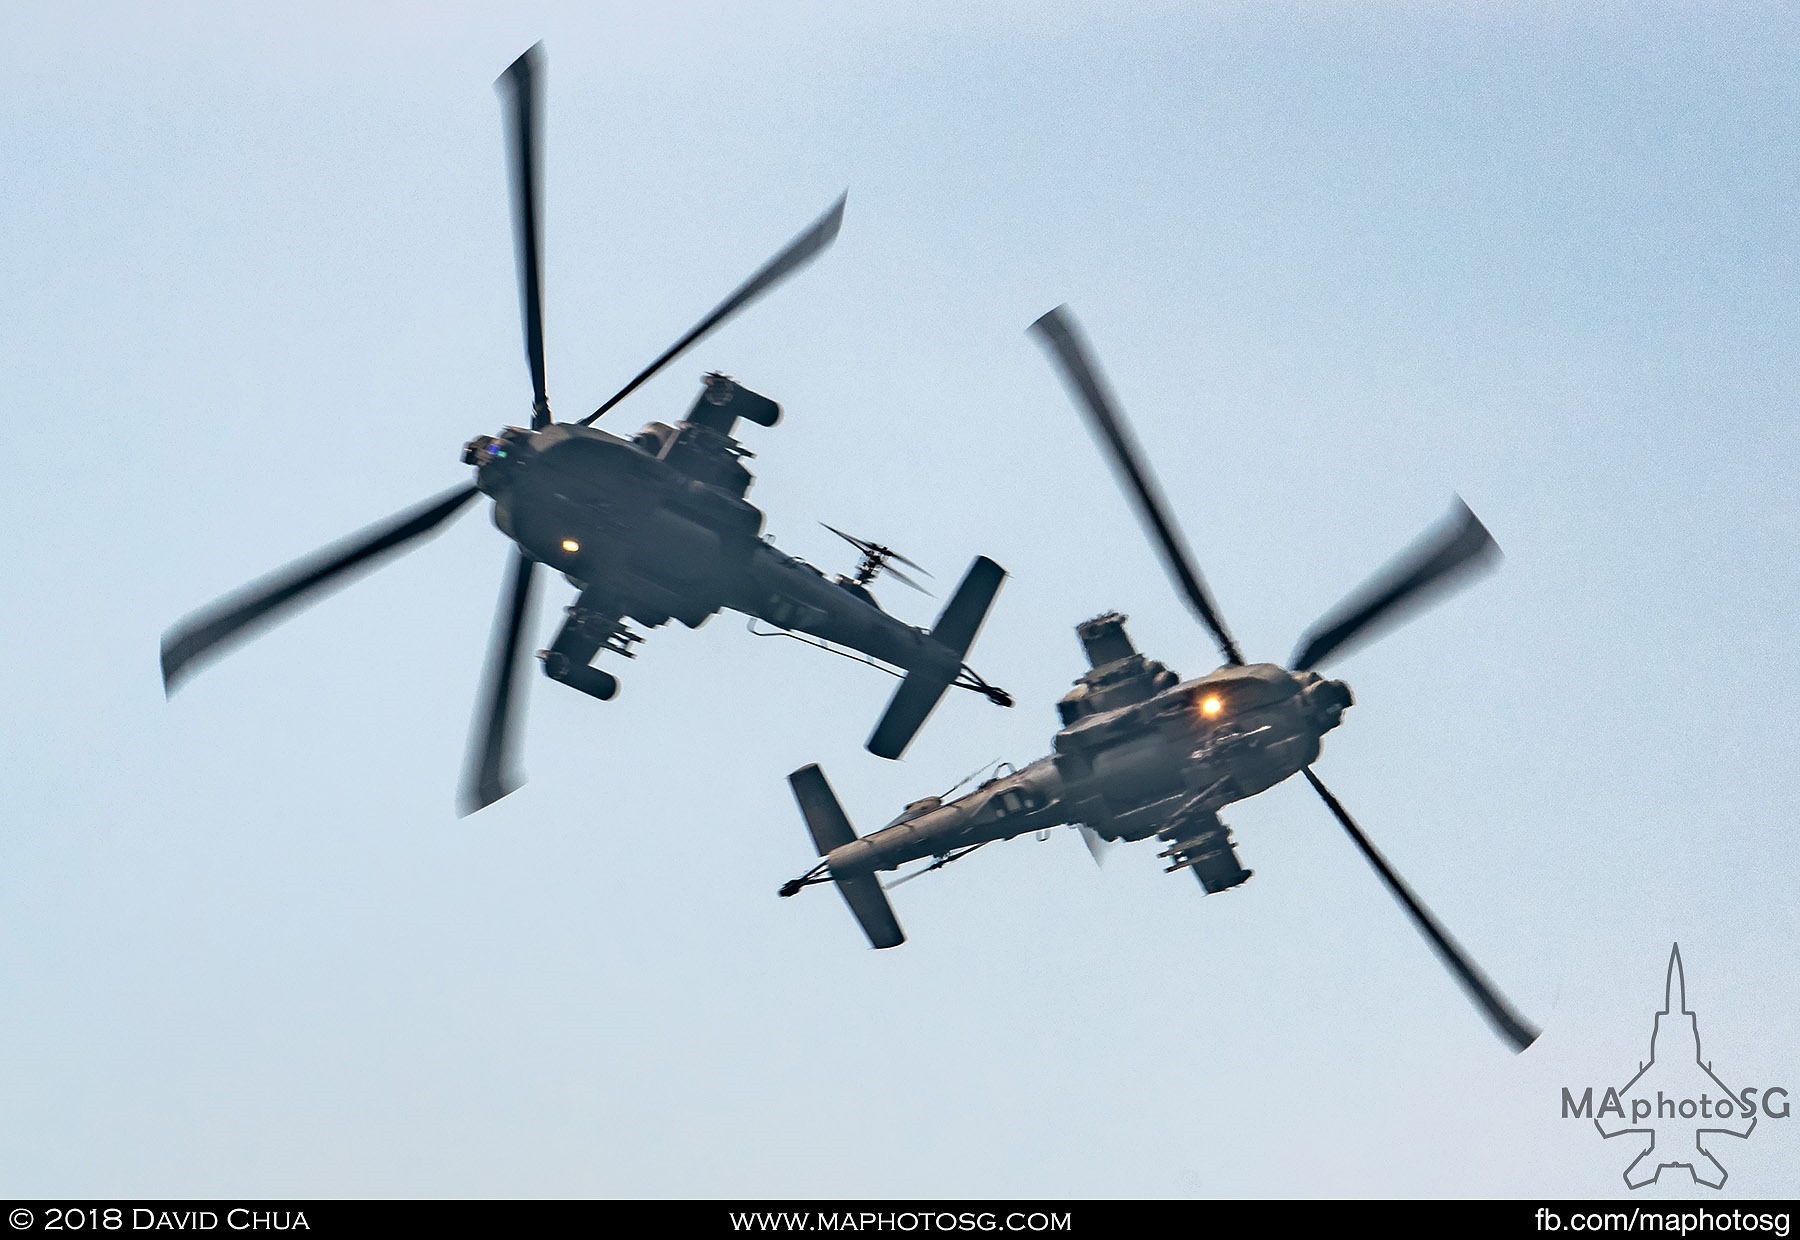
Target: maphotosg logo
[(1676, 1104)]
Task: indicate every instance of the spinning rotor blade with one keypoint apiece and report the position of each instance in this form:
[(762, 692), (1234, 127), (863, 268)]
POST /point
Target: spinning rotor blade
[(490, 774), (522, 89), (212, 630), (1095, 845), (865, 547), (868, 548), (1506, 1021), (799, 252), (1062, 336), (902, 578), (1446, 557)]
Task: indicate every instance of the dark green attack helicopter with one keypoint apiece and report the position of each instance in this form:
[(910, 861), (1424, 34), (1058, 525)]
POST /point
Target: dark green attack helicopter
[(649, 528), (1142, 753)]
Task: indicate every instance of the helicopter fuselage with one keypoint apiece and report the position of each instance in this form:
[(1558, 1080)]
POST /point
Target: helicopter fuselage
[(656, 527), (1141, 753)]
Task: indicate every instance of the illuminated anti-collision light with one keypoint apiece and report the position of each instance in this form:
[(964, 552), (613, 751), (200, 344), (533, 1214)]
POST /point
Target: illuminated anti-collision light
[(1210, 706), (571, 546)]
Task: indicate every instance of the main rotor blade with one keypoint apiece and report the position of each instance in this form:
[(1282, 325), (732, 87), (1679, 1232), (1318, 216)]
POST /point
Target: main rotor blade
[(799, 252), (1444, 558), (1062, 335), (491, 771), (522, 89), (211, 631), (1506, 1021)]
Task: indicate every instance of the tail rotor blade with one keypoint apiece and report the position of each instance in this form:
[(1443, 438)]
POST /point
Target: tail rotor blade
[(1059, 332), (1096, 846), (879, 558), (1448, 556), (897, 558), (854, 541), (213, 630), (521, 88), (1506, 1021), (903, 579), (491, 771), (800, 251)]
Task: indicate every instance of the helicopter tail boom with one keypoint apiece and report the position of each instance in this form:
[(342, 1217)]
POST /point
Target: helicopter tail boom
[(830, 829), (919, 694)]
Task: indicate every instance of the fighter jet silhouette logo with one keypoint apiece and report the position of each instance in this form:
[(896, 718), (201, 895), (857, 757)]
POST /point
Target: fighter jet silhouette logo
[(1676, 1090)]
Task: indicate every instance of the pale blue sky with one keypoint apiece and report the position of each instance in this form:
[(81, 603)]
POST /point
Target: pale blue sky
[(1339, 261)]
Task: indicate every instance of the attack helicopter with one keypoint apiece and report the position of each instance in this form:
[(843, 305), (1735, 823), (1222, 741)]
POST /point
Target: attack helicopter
[(647, 528), (1142, 753)]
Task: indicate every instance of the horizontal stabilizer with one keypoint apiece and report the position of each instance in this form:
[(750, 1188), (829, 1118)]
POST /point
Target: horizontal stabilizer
[(831, 829), (912, 703), (862, 892), (919, 694), (824, 816), (962, 618)]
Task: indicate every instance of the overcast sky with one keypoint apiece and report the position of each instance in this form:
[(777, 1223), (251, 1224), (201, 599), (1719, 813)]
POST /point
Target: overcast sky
[(1341, 263)]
